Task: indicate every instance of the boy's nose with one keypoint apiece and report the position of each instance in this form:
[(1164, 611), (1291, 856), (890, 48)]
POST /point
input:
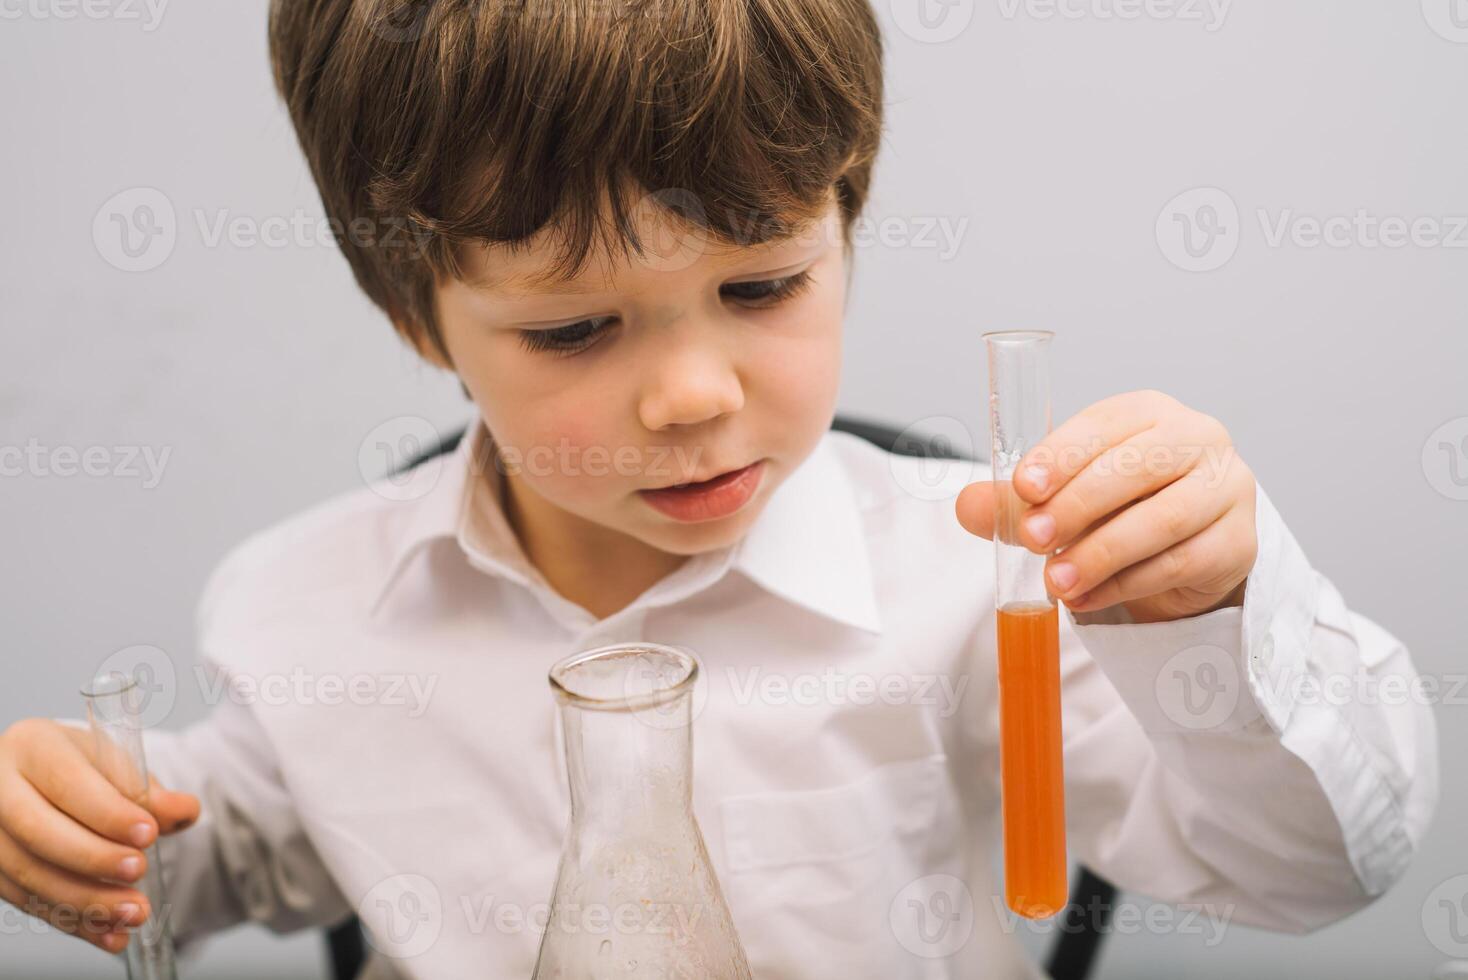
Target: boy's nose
[(691, 385)]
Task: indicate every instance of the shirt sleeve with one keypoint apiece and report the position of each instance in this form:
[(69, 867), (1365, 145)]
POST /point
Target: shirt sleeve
[(1278, 759), (248, 859)]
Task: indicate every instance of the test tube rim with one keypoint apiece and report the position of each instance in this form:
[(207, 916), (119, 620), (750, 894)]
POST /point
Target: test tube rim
[(636, 702), (93, 694), (1018, 336)]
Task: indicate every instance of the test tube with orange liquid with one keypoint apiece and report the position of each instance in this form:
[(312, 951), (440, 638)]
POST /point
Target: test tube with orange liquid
[(1031, 773)]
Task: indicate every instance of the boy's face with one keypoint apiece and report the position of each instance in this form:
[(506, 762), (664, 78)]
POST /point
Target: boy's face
[(689, 361)]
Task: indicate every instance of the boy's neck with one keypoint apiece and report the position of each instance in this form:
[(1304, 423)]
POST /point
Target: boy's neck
[(599, 569)]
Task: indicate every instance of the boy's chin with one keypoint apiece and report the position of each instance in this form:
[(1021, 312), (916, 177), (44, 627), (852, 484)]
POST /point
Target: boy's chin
[(678, 538)]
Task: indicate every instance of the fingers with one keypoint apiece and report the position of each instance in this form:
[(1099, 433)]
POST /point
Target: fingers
[(90, 922), (1202, 569), (47, 833), (1072, 446), (1105, 485), (173, 811), (63, 774), (975, 509), (69, 840), (41, 882), (1139, 531)]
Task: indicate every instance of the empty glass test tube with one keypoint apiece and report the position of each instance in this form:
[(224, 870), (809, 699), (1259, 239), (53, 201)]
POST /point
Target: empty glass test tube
[(114, 701)]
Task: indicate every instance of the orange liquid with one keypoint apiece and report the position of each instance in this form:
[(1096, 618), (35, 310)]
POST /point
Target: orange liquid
[(1030, 768)]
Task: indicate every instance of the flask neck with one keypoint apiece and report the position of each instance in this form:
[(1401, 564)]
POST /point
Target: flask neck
[(627, 764)]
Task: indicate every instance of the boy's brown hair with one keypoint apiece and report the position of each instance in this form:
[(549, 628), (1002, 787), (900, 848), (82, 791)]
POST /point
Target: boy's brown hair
[(445, 122)]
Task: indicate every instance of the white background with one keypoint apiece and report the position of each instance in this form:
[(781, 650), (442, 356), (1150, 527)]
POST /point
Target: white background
[(1059, 139)]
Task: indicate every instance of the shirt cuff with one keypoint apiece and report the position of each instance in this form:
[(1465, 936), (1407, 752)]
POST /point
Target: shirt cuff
[(1219, 671)]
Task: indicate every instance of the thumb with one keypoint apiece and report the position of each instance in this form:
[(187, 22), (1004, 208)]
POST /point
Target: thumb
[(975, 509), (174, 811)]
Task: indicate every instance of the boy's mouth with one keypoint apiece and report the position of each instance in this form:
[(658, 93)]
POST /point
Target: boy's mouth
[(704, 484), (709, 499)]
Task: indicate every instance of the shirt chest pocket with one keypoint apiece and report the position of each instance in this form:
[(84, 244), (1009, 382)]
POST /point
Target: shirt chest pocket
[(812, 874)]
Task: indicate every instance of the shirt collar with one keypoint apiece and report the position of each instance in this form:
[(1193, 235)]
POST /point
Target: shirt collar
[(807, 546)]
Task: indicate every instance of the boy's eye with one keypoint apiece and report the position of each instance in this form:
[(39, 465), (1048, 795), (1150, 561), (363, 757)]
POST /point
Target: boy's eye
[(769, 289), (576, 337), (569, 339)]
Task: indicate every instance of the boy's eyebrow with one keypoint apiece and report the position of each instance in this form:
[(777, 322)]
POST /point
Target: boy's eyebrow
[(527, 282)]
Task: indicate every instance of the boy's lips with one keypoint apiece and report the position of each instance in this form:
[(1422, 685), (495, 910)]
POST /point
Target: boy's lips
[(707, 500), (715, 475)]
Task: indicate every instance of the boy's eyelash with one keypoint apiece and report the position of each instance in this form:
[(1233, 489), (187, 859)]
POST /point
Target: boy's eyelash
[(575, 337)]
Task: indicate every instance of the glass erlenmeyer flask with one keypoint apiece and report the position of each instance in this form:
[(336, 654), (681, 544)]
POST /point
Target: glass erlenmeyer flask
[(635, 895)]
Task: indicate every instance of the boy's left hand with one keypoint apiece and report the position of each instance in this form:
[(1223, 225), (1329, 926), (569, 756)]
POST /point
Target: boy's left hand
[(1149, 501)]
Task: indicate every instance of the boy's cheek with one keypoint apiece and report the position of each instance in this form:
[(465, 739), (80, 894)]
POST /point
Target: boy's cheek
[(798, 382)]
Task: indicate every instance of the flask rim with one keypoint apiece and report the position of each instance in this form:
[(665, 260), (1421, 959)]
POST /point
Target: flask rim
[(566, 694)]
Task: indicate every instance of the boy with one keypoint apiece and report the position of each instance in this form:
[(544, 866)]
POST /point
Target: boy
[(625, 228)]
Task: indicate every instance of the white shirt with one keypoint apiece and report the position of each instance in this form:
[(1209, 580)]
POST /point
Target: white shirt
[(845, 746)]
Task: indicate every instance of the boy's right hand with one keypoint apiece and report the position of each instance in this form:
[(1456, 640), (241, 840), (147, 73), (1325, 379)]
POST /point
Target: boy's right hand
[(69, 841)]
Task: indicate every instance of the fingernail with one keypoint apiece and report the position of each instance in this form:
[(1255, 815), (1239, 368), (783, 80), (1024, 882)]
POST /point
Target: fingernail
[(1037, 475), (1041, 527), (141, 834), (131, 867), (1064, 575)]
